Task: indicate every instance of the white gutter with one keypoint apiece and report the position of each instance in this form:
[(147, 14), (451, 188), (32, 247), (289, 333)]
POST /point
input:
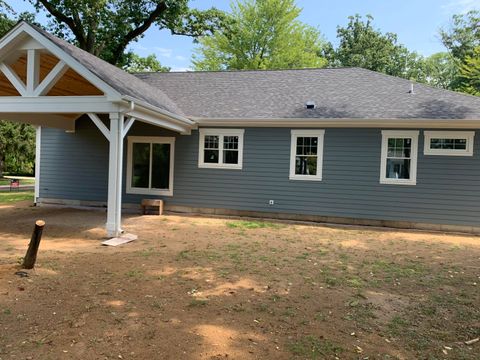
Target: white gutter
[(171, 116)]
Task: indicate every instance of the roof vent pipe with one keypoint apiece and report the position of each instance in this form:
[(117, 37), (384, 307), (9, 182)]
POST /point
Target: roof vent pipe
[(411, 89), (310, 104)]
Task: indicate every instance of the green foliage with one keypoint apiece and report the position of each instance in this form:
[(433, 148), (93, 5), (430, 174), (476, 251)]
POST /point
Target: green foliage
[(469, 77), (106, 27), (17, 148), (261, 34), (136, 63), (441, 70), (464, 35), (364, 46)]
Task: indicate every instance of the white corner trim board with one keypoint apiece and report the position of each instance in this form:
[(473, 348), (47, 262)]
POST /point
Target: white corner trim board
[(445, 143), (295, 134), (394, 156)]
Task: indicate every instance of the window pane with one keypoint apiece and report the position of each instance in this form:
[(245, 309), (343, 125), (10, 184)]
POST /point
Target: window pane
[(399, 147), (230, 142), (230, 157), (210, 156), (141, 165), (398, 168), (211, 142), (160, 166), (460, 144), (306, 165), (307, 145)]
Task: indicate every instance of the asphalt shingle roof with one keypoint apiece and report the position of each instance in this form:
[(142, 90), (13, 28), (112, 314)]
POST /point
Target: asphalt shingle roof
[(126, 84), (352, 93)]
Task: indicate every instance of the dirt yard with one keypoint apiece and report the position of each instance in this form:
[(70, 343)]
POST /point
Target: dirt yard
[(209, 288)]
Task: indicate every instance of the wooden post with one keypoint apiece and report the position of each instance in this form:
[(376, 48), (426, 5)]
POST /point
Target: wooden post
[(31, 255)]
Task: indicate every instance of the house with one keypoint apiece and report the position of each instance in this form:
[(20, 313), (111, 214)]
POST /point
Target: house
[(342, 145)]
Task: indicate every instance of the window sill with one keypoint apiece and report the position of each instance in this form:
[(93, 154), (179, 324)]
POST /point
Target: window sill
[(305, 177), (220, 166), (447, 153), (397, 182), (140, 191)]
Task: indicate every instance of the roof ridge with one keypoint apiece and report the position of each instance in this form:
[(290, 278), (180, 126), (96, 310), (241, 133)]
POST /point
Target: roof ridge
[(246, 70)]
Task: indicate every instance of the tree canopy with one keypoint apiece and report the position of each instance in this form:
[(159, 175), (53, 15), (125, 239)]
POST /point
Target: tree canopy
[(469, 77), (261, 34), (463, 37), (105, 28), (17, 147), (150, 63)]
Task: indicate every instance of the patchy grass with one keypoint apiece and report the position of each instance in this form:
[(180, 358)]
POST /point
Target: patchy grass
[(311, 347), (212, 288), (6, 181), (7, 197), (253, 224)]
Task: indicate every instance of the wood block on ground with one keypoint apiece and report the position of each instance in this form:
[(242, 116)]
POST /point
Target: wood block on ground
[(152, 203)]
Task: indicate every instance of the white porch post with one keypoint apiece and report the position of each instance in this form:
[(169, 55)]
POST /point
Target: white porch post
[(115, 173), (38, 145)]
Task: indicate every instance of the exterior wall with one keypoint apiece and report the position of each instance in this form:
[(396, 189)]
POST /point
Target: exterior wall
[(75, 166)]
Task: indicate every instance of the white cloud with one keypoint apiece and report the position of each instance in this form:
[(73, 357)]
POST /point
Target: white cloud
[(460, 6), (181, 69), (180, 57), (164, 52)]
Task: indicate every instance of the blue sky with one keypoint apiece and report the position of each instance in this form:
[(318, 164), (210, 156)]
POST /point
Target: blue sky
[(415, 21)]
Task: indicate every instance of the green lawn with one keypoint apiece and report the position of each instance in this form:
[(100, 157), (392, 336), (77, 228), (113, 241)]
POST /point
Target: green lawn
[(8, 197), (6, 181)]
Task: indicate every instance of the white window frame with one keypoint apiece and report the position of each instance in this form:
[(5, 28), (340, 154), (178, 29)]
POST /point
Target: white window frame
[(220, 133), (149, 140), (320, 134), (387, 134), (468, 135)]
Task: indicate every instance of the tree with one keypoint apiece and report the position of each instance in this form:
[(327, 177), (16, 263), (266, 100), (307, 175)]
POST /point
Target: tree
[(469, 76), (17, 147), (464, 35), (441, 70), (106, 27), (364, 46), (136, 63), (261, 34)]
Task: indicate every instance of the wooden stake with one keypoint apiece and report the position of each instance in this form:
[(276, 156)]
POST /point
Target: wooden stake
[(31, 255)]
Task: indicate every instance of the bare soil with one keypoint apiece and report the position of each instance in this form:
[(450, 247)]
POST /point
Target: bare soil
[(214, 288)]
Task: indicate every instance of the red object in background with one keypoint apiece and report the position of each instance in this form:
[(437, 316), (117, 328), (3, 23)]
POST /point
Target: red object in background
[(14, 184)]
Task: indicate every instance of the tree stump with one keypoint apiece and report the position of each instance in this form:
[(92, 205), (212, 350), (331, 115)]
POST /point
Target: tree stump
[(31, 255)]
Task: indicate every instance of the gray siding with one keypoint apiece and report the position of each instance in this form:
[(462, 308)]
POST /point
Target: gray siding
[(74, 166)]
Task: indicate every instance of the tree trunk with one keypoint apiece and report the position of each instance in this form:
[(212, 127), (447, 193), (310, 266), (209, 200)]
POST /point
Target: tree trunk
[(31, 255)]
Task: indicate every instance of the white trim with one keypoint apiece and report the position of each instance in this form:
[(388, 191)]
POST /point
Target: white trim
[(100, 125), (386, 134), (319, 134), (220, 133), (150, 140), (51, 79), (467, 135), (57, 104), (128, 124), (33, 70), (341, 123), (38, 145), (14, 79), (115, 164)]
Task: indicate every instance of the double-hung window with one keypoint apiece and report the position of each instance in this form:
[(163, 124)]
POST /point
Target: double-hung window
[(451, 143), (150, 165), (399, 157), (220, 148), (306, 154)]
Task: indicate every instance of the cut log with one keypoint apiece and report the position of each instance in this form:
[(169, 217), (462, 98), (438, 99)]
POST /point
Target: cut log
[(31, 255)]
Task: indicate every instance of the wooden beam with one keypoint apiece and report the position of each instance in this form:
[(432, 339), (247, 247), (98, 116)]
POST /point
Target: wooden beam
[(33, 70), (57, 104), (128, 124), (100, 125), (13, 78), (51, 79)]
